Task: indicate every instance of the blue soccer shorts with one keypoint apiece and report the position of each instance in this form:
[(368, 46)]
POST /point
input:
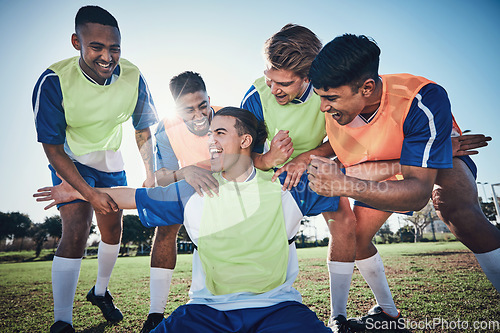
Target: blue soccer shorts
[(93, 177), (290, 317)]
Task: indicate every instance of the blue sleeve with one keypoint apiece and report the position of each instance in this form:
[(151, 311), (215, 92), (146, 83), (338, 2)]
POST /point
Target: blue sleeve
[(165, 155), (50, 121), (427, 130), (309, 202), (159, 206), (251, 102), (145, 112)]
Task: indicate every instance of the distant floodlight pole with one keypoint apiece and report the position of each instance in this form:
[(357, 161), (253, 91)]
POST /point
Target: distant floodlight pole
[(495, 200), (484, 191)]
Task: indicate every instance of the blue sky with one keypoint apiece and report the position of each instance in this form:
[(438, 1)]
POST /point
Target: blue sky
[(455, 43)]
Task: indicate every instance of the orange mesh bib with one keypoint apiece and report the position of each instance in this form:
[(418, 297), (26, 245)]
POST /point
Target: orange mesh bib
[(189, 148), (382, 138)]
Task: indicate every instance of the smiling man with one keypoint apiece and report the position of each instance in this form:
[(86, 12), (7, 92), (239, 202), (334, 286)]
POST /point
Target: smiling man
[(285, 100), (80, 104), (393, 117), (181, 154), (245, 260)]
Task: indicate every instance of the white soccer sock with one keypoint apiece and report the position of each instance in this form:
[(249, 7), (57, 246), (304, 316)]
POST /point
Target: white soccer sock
[(340, 282), (372, 270), (490, 263), (65, 272), (159, 287), (106, 259)]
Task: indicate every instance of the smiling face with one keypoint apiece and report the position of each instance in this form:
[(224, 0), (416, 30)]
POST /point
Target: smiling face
[(99, 47), (223, 143), (341, 103), (194, 109), (285, 85)]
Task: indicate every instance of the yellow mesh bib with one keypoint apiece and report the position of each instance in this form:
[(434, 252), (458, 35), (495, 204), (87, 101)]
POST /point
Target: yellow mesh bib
[(305, 121), (243, 244), (94, 113)]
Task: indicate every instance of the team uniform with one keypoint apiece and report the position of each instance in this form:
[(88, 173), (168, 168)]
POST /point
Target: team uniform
[(177, 147), (69, 109), (245, 261), (301, 117), (415, 117)]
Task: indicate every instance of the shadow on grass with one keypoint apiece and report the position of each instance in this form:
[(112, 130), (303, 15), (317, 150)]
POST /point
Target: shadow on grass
[(98, 328), (432, 254)]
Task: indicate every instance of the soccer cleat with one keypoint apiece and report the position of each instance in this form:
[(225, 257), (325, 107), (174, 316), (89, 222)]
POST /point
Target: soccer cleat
[(376, 320), (339, 324), (105, 303), (154, 319), (61, 327)]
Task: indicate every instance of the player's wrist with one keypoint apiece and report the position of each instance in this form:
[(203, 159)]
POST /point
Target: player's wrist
[(266, 161)]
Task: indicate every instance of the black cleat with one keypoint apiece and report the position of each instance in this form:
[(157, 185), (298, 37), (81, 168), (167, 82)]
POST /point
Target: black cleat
[(61, 327), (105, 303), (154, 319), (339, 324), (377, 320)]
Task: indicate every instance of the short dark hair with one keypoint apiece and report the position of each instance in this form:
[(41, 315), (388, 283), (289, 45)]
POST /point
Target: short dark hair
[(94, 14), (346, 60), (246, 123), (185, 83), (292, 48)]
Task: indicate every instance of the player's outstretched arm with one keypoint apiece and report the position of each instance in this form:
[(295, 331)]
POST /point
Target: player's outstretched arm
[(66, 169), (124, 197), (200, 179)]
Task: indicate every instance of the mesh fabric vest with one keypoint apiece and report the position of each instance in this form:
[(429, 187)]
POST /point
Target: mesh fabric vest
[(243, 244), (382, 138), (305, 121), (94, 113)]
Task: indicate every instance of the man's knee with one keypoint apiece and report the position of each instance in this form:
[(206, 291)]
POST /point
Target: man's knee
[(73, 239), (344, 222), (453, 210), (110, 226), (164, 251), (165, 233)]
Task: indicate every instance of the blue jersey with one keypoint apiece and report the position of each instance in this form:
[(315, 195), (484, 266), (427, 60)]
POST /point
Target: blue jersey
[(50, 120), (251, 102), (49, 110), (427, 130), (179, 203)]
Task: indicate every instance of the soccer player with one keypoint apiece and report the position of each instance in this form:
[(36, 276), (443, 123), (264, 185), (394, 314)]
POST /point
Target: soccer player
[(398, 116), (181, 153), (79, 106), (285, 100), (245, 260)]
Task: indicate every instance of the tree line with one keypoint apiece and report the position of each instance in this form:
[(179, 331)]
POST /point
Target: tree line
[(16, 226)]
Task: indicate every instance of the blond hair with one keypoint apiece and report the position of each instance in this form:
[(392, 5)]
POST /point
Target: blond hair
[(293, 48)]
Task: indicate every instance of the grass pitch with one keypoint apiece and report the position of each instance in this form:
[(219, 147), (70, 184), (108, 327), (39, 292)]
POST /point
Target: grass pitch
[(430, 282)]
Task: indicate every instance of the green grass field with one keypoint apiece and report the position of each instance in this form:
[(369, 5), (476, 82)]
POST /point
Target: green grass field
[(428, 281)]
